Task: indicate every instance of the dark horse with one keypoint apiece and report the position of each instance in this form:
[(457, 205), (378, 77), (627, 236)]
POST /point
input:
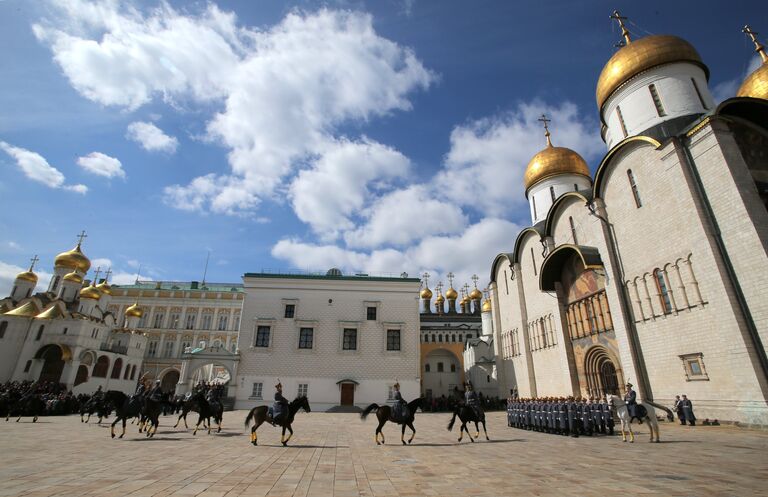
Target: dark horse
[(207, 407), (130, 407), (468, 415), (94, 405), (384, 414), (29, 404), (260, 414)]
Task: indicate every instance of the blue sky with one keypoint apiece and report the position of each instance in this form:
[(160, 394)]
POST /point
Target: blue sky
[(382, 136)]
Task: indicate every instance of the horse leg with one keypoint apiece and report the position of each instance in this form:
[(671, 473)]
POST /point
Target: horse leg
[(254, 437), (209, 425), (623, 432), (290, 434), (461, 430), (477, 430), (410, 425), (382, 422), (123, 433), (282, 437), (402, 434), (112, 428), (631, 434), (219, 420), (484, 430), (178, 421), (199, 420)]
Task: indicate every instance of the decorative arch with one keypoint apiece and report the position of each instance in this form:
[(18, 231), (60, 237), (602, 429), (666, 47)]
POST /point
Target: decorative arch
[(54, 356), (602, 170), (519, 240), (81, 376), (117, 368), (88, 357), (66, 352), (101, 367), (552, 266), (561, 200), (504, 256), (603, 372)]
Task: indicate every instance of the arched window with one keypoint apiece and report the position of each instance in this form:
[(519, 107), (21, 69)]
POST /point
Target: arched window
[(440, 338), (433, 338), (453, 368), (461, 337), (133, 371), (657, 101), (663, 289), (426, 368), (117, 368), (127, 371), (101, 367), (533, 261), (552, 192), (533, 201), (573, 231), (453, 338), (621, 121), (633, 185)]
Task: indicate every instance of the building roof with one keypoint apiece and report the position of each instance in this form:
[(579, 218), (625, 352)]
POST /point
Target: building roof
[(182, 285), (325, 276)]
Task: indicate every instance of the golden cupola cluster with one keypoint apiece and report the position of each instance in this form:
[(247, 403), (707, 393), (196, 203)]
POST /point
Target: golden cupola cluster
[(90, 292), (451, 294), (73, 259), (756, 84), (553, 161)]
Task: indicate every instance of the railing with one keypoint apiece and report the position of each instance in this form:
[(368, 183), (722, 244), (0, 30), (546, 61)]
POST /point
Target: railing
[(117, 349)]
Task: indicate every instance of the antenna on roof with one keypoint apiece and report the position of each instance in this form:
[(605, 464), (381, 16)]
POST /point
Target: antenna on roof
[(137, 274), (205, 271)]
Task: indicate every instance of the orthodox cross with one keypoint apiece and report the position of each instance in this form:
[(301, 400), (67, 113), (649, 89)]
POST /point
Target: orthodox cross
[(543, 119), (107, 275), (33, 261), (466, 289), (620, 19), (96, 274), (450, 279), (80, 238), (475, 279), (426, 279), (439, 287), (759, 48)]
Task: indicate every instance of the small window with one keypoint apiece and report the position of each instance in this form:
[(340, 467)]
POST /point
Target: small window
[(158, 320), (303, 390), (453, 338), (256, 390), (573, 231), (349, 339), (305, 338), (64, 331), (533, 261), (371, 314), (657, 101), (533, 202), (663, 288), (393, 339), (575, 187), (621, 121), (190, 321), (290, 310), (262, 336), (40, 332), (461, 337), (440, 338), (633, 185), (552, 192), (698, 92), (222, 323), (433, 338), (439, 367), (27, 366), (693, 365), (453, 368), (426, 368)]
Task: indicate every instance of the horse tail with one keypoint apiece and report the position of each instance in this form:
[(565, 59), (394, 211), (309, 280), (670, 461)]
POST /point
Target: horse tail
[(453, 419), (368, 410), (249, 417)]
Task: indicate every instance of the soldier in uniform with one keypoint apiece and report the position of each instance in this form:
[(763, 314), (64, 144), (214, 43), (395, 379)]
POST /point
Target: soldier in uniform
[(156, 394), (630, 400), (688, 411), (280, 406), (562, 416), (471, 400), (594, 409), (400, 409), (573, 417), (678, 408)]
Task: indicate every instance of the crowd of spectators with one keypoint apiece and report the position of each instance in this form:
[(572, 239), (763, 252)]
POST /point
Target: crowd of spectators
[(58, 400)]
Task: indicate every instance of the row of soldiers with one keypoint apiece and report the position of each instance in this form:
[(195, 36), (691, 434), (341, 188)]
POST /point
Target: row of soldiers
[(561, 416)]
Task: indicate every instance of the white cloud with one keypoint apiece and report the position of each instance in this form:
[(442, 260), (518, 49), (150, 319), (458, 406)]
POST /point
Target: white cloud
[(36, 168), (124, 278), (727, 89), (8, 274), (102, 165), (13, 245), (101, 262), (284, 89), (151, 138)]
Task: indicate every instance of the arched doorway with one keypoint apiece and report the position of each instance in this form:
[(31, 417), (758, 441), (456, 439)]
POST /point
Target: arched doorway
[(82, 375), (53, 363), (101, 367), (603, 377), (169, 381)]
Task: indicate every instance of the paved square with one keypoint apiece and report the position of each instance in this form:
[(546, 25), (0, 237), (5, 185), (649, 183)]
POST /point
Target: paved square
[(335, 454)]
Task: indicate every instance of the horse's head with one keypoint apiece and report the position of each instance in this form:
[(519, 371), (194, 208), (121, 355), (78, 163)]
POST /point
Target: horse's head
[(300, 403), (613, 400)]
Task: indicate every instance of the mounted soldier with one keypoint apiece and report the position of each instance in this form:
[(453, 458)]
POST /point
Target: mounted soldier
[(400, 408), (630, 400), (280, 406), (156, 394), (472, 400)]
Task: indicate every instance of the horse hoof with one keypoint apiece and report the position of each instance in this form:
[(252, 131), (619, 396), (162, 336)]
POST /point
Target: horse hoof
[(285, 444), (488, 439), (255, 442), (378, 443), (404, 442), (113, 435), (471, 439), (409, 442), (120, 436)]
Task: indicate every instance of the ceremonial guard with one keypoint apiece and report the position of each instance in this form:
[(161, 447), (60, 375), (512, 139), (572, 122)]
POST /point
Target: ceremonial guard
[(156, 394), (280, 406), (574, 423), (400, 409), (471, 400), (688, 411), (562, 416), (630, 400), (594, 409)]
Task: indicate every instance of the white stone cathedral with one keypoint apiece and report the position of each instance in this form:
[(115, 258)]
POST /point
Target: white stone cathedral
[(651, 271)]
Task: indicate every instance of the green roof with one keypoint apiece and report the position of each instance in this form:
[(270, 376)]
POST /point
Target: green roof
[(323, 276), (183, 285)]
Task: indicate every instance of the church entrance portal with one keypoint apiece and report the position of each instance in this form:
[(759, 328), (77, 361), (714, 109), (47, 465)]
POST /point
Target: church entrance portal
[(601, 373), (53, 365), (347, 394)]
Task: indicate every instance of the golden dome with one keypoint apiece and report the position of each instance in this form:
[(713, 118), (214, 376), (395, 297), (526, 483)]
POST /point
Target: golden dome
[(73, 259), (440, 298), (27, 276), (74, 277), (756, 84), (426, 293), (476, 294), (639, 56), (487, 305), (451, 294), (27, 310), (134, 311), (90, 292), (553, 161), (104, 287)]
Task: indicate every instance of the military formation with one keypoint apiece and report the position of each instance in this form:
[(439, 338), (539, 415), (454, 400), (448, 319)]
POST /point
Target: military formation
[(561, 416)]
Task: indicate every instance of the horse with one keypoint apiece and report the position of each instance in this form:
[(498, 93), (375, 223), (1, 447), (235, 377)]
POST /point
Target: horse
[(190, 404), (207, 407), (468, 415), (384, 413), (260, 414), (130, 407), (94, 405), (626, 422), (28, 405)]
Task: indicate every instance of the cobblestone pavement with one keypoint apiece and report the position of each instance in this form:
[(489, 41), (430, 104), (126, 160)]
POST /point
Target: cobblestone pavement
[(335, 454)]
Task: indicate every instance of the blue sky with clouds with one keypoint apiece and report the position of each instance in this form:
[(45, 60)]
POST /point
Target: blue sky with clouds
[(382, 136)]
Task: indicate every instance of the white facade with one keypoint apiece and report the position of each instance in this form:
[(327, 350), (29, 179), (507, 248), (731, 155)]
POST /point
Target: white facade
[(294, 328), (543, 194)]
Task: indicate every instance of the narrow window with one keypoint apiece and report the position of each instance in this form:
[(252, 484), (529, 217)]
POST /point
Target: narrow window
[(433, 338), (40, 332), (63, 332), (190, 321), (533, 201), (426, 368), (633, 185), (158, 321), (573, 231), (533, 261), (453, 338), (552, 192), (371, 314), (303, 390), (506, 284), (453, 368), (621, 121), (575, 187), (662, 287), (657, 101), (439, 367), (262, 336), (349, 339), (393, 339), (698, 92), (222, 323), (3, 327), (27, 366), (305, 338), (461, 337), (256, 390), (290, 309)]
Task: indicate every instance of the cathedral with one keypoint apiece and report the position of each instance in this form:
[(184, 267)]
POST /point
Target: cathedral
[(651, 270), (66, 334)]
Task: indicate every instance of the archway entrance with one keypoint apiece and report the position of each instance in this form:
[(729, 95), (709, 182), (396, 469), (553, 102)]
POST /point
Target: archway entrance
[(82, 375), (602, 375), (53, 363), (169, 381)]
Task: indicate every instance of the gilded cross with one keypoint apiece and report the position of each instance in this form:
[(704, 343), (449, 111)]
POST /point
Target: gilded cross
[(33, 261), (96, 274), (450, 279), (475, 279), (543, 119), (759, 48), (620, 19), (426, 279), (80, 238), (107, 275)]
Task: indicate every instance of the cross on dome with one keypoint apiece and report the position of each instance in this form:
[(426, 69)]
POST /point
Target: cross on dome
[(624, 31), (33, 260), (759, 48), (80, 238), (96, 274), (107, 274), (543, 119)]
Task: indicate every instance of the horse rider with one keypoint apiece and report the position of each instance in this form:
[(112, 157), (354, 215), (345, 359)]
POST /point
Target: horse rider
[(400, 409), (630, 400), (141, 389), (280, 406), (156, 394), (471, 399), (98, 394)]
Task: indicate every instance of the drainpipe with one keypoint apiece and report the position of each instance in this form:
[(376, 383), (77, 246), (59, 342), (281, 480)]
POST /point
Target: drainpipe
[(686, 158)]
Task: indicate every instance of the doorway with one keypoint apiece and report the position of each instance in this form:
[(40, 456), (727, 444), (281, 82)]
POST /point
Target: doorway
[(347, 394)]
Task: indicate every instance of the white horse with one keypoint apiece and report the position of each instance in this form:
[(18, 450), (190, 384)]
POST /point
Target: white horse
[(623, 412)]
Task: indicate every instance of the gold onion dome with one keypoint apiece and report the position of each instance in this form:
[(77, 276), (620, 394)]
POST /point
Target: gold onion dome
[(486, 305), (756, 84), (27, 276), (440, 298), (553, 161), (426, 293), (74, 277), (90, 292), (73, 259), (639, 56), (451, 294), (134, 311), (476, 294), (104, 287)]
